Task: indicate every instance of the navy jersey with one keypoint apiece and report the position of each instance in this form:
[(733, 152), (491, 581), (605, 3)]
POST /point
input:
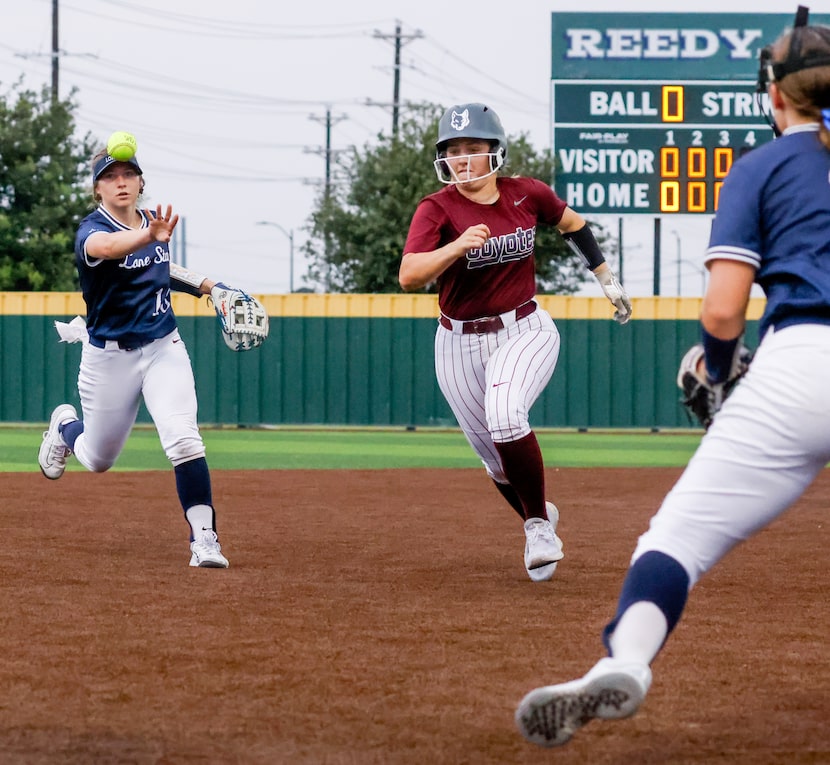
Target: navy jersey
[(501, 275), (126, 299), (774, 213)]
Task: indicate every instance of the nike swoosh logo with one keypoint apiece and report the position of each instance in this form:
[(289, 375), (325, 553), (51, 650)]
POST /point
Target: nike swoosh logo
[(504, 382), (519, 201)]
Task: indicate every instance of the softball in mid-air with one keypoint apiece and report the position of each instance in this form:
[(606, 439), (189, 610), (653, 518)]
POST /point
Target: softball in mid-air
[(122, 146)]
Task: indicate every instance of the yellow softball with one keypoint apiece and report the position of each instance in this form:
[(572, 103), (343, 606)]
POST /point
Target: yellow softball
[(121, 146)]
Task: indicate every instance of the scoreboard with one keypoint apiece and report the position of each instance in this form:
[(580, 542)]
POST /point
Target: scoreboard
[(652, 146), (649, 111)]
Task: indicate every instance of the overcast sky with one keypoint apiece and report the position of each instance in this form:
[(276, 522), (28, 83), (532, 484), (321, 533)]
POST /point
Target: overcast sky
[(228, 103)]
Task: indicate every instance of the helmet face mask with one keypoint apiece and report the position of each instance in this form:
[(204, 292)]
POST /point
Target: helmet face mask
[(447, 174), (471, 121)]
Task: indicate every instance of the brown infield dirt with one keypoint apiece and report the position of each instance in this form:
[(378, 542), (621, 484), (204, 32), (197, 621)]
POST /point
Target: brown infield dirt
[(384, 617)]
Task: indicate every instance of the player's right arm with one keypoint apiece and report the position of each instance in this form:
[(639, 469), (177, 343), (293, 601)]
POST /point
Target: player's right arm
[(421, 268), (114, 245)]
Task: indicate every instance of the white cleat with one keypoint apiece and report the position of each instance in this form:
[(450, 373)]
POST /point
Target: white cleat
[(543, 549), (206, 552), (53, 451), (612, 689)]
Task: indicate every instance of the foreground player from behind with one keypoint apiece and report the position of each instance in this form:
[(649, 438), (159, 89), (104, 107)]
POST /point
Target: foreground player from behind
[(495, 347), (132, 349), (772, 435)]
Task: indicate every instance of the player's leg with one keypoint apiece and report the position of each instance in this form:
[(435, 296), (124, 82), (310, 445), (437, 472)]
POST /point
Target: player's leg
[(460, 371), (109, 386), (170, 396), (765, 447), (517, 372)]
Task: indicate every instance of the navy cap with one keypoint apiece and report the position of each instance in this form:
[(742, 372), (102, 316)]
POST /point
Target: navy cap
[(104, 162)]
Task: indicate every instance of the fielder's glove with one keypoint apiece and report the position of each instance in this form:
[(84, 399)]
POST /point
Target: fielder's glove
[(616, 294), (701, 398), (243, 318)]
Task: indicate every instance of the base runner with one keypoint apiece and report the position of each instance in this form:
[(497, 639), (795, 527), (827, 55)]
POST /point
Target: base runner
[(495, 347)]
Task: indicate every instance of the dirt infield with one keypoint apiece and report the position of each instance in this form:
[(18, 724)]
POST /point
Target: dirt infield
[(384, 617)]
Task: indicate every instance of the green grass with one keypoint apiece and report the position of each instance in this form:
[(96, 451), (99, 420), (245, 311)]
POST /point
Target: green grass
[(312, 448)]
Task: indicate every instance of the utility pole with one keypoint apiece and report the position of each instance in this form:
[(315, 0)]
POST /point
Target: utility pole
[(55, 52), (400, 40), (327, 151)]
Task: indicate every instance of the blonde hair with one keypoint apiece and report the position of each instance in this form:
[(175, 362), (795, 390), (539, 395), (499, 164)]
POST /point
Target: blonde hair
[(807, 90)]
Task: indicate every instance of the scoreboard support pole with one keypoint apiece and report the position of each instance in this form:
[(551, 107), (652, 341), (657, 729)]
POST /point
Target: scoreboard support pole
[(656, 257), (620, 247)]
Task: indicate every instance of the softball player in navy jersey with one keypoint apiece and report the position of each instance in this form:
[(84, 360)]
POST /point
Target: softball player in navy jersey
[(495, 348), (772, 435), (132, 349)]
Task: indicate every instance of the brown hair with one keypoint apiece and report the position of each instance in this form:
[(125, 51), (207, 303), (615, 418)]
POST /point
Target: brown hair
[(808, 90), (95, 195)]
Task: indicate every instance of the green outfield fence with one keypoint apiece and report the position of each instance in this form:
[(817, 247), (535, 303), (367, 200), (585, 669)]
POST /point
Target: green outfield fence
[(367, 360)]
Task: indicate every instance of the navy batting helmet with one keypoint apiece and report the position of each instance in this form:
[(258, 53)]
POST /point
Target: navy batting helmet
[(469, 121)]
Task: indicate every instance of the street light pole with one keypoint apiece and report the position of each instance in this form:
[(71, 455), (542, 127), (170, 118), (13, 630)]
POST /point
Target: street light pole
[(701, 271), (677, 237), (290, 235)]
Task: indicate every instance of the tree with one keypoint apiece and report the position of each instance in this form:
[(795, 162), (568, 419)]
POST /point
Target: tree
[(42, 196), (358, 231)]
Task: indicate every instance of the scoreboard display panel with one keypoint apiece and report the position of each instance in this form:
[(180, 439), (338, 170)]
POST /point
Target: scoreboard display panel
[(652, 147), (649, 111)]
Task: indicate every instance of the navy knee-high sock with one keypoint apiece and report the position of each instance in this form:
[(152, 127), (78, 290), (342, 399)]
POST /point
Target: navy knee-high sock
[(70, 432), (657, 578), (193, 483)]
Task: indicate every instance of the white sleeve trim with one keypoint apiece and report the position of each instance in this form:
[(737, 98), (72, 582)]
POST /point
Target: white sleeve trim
[(733, 253)]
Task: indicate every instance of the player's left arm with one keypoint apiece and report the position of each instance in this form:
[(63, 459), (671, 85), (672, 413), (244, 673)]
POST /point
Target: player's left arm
[(723, 314), (712, 368), (184, 280), (242, 318), (579, 237)]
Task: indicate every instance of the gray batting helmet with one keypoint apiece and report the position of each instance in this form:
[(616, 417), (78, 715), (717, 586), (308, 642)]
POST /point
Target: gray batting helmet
[(470, 121)]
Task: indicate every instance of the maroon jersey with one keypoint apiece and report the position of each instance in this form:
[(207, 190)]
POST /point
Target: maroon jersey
[(501, 275)]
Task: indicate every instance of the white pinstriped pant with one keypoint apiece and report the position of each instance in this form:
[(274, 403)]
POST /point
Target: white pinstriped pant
[(492, 380)]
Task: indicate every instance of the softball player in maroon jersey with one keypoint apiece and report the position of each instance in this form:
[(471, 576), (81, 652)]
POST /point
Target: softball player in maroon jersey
[(495, 348)]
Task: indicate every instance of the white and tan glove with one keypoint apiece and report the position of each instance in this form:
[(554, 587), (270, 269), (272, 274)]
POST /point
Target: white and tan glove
[(243, 319), (615, 293)]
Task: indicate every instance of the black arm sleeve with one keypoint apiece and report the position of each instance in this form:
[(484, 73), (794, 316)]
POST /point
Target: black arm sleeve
[(584, 244), (180, 286)]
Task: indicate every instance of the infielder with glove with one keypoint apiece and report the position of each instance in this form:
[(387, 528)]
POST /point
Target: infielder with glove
[(495, 347), (132, 348), (771, 435)]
